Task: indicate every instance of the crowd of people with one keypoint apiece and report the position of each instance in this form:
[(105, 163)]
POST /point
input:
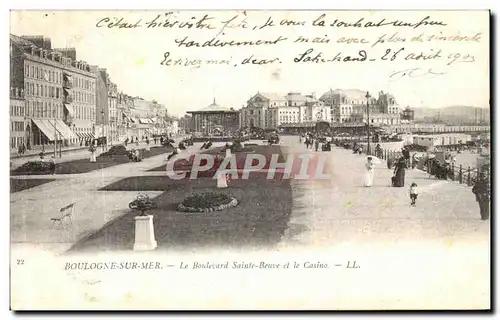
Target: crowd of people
[(315, 140)]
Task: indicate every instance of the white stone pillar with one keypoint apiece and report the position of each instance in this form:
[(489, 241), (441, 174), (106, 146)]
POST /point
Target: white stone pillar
[(144, 233)]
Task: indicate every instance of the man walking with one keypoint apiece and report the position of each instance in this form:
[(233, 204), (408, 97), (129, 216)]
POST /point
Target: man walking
[(483, 192)]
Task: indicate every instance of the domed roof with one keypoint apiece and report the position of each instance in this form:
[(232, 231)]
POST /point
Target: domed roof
[(214, 107), (350, 94)]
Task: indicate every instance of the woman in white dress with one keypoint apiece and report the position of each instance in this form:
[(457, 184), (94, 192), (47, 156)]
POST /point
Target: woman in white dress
[(369, 172), (92, 154)]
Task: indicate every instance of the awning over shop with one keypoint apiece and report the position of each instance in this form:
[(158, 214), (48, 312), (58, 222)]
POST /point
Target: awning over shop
[(145, 120), (65, 132), (79, 135), (45, 129)]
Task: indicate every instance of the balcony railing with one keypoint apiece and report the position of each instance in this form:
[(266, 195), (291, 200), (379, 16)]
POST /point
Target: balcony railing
[(68, 99), (68, 119), (67, 84)]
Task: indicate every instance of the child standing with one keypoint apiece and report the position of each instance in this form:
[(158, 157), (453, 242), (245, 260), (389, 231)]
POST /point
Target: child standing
[(413, 193)]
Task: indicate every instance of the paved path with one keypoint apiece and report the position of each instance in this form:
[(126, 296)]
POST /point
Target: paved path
[(343, 210), (32, 209)]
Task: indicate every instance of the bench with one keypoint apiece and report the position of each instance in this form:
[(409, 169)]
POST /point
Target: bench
[(66, 213)]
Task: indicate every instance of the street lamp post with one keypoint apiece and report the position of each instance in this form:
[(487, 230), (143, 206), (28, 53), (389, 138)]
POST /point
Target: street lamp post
[(368, 151), (55, 135), (102, 114)]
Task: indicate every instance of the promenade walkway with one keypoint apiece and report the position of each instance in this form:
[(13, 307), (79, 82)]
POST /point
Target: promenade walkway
[(344, 211)]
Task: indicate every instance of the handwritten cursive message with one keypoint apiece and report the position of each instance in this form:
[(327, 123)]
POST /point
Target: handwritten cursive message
[(411, 46)]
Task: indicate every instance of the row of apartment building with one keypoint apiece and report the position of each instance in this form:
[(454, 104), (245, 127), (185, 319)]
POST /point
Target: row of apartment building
[(56, 97)]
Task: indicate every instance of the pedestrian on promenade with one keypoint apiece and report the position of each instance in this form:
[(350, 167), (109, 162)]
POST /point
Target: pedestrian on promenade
[(52, 165), (155, 139), (92, 150), (399, 173), (482, 191), (137, 155), (413, 193), (316, 144), (406, 154), (369, 172)]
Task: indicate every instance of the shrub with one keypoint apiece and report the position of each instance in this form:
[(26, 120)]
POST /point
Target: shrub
[(116, 151), (206, 200), (34, 167)]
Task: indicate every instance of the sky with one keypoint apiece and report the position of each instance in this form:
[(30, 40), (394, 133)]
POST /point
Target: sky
[(133, 56)]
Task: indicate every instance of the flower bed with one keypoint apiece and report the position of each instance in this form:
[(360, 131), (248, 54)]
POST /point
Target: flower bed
[(207, 202)]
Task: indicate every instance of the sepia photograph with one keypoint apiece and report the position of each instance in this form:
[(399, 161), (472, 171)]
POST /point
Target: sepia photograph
[(250, 160)]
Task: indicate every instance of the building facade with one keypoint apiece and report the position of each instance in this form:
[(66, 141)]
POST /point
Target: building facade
[(102, 109), (347, 106), (56, 97), (271, 110), (79, 98), (17, 119), (112, 88), (36, 71), (124, 105)]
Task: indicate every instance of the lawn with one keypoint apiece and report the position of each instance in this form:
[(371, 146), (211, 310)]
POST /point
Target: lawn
[(259, 219), (83, 165), (266, 151), (17, 185)]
